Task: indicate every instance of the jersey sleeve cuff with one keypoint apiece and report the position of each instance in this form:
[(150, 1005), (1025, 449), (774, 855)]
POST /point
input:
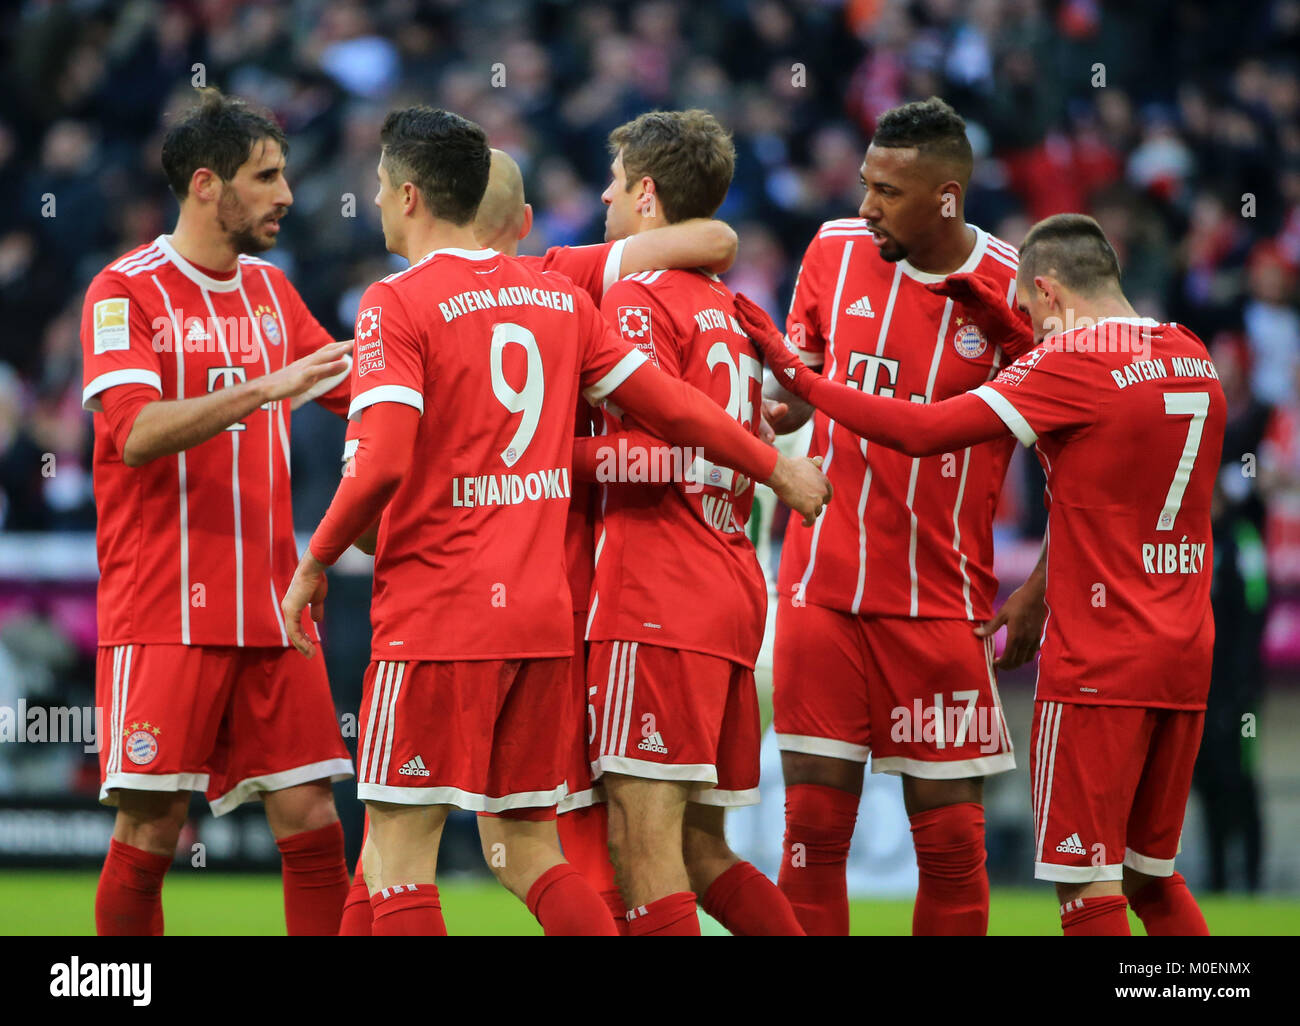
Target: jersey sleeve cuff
[(321, 387), (621, 371), (126, 376), (613, 263), (386, 394), (1011, 417)]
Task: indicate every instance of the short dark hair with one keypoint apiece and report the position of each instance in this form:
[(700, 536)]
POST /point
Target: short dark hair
[(1073, 249), (443, 155), (689, 155), (218, 133), (933, 128)]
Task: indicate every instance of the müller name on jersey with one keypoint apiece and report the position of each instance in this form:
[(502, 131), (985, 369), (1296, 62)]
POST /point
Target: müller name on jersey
[(510, 489), (507, 295)]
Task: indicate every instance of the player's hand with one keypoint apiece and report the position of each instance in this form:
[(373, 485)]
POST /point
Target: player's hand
[(985, 302), (772, 410), (300, 375), (801, 485), (793, 374), (1023, 614), (307, 588)]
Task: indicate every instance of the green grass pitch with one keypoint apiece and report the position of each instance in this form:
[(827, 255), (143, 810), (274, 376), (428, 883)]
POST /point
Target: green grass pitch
[(215, 904)]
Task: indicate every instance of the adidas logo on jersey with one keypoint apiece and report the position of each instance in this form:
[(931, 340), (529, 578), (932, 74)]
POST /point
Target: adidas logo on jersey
[(414, 768), (861, 308), (1072, 846), (654, 743)]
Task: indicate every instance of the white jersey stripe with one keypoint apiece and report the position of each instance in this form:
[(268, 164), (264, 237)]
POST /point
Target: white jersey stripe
[(139, 269), (885, 322), (916, 462), (182, 483), (392, 722), (956, 534), (830, 424), (145, 256), (1004, 261), (1005, 248), (234, 478)]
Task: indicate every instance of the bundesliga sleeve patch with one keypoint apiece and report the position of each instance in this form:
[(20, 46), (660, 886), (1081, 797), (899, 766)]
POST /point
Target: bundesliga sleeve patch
[(634, 326), (112, 325), (370, 343)]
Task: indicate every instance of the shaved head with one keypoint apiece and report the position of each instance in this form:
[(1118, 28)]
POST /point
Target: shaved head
[(501, 213)]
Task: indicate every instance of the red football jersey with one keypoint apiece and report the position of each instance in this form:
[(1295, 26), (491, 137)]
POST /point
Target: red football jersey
[(470, 556), (196, 548), (904, 536), (1130, 438), (593, 269), (674, 566)]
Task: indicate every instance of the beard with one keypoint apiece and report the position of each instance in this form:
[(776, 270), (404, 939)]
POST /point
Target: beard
[(240, 228), (892, 251)]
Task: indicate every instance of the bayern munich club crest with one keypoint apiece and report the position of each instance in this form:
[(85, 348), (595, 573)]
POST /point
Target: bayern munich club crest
[(141, 744), (270, 325), (969, 341)]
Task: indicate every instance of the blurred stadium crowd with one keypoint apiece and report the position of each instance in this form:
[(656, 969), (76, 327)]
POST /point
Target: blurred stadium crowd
[(1176, 124)]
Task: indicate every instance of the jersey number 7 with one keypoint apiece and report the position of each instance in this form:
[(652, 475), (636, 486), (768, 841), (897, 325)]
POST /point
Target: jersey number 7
[(1181, 404)]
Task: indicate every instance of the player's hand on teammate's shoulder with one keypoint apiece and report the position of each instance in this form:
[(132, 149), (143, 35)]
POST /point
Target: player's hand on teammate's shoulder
[(984, 301), (790, 371), (307, 588), (1023, 614), (326, 362), (801, 485)]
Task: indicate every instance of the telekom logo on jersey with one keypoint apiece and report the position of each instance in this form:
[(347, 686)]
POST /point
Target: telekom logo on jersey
[(229, 336)]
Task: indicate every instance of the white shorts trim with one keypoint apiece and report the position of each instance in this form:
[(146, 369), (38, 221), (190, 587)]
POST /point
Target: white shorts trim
[(1146, 864), (150, 782), (825, 746), (954, 770), (1077, 874), (467, 800), (333, 769), (575, 800), (725, 799), (703, 772)]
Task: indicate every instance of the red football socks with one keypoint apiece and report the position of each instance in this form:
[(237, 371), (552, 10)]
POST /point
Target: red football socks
[(1104, 916), (584, 838), (315, 874), (952, 893), (568, 906), (819, 824), (407, 910), (749, 905), (673, 916), (128, 902), (356, 908), (1167, 909)]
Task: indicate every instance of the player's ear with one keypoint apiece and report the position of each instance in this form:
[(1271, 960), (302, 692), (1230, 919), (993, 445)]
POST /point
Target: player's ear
[(205, 184), (647, 203), (527, 224), (410, 197)]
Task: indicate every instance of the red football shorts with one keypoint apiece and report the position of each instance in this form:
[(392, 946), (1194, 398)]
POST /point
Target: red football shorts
[(919, 696), (583, 791), (231, 722), (1110, 786), (664, 714), (484, 735)]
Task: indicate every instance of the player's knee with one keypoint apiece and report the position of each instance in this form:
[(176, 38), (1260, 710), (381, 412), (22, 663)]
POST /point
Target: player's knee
[(802, 768)]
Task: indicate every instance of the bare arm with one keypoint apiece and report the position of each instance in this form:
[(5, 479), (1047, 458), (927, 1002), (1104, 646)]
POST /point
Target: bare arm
[(699, 242), (169, 426)]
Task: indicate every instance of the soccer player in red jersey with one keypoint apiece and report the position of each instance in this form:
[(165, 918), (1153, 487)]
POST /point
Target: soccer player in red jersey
[(1128, 416), (192, 349), (503, 220), (884, 642), (467, 373), (679, 602)]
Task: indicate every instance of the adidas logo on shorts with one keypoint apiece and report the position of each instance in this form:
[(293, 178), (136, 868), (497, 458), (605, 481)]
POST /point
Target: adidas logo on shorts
[(654, 743), (414, 768), (1072, 846)]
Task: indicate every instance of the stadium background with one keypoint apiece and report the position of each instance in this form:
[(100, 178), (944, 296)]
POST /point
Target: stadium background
[(1176, 124)]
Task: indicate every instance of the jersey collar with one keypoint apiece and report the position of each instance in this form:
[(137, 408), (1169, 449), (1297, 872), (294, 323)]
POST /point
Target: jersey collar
[(972, 261), (1146, 322), (468, 254), (200, 279)]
